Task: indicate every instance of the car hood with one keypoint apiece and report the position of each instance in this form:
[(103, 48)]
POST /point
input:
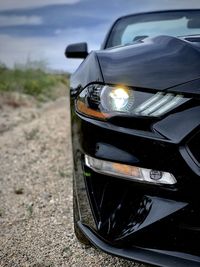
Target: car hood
[(157, 63)]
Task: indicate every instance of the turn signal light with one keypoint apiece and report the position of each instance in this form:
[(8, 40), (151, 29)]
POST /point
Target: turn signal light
[(129, 172)]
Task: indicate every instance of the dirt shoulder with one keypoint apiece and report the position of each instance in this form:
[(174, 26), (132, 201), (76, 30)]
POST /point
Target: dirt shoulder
[(36, 192)]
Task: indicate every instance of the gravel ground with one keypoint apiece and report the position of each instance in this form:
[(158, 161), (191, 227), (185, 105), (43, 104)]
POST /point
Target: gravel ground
[(36, 227)]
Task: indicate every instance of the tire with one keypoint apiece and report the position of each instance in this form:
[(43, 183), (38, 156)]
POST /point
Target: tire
[(78, 233)]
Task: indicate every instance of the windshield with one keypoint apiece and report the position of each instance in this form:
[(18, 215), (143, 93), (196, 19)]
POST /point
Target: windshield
[(130, 29)]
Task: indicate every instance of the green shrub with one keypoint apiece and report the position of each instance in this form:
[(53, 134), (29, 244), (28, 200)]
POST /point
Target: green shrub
[(32, 87), (31, 79)]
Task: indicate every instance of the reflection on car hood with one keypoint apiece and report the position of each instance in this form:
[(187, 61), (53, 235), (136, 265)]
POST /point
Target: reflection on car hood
[(156, 63)]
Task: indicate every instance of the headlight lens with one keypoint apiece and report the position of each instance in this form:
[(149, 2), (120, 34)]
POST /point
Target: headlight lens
[(117, 99), (103, 102)]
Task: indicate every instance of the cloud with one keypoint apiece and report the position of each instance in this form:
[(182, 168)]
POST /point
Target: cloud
[(24, 4), (19, 20), (15, 49), (64, 22)]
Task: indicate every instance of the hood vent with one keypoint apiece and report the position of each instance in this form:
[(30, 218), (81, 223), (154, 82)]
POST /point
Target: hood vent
[(193, 39)]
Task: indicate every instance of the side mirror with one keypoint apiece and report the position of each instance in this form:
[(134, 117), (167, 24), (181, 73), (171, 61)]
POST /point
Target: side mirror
[(79, 50)]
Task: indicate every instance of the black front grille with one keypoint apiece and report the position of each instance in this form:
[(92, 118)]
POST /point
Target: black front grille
[(194, 147)]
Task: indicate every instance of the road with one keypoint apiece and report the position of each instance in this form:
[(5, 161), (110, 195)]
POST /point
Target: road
[(36, 227)]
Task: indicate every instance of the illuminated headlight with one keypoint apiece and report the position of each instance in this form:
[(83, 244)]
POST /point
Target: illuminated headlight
[(117, 99), (129, 172), (103, 101)]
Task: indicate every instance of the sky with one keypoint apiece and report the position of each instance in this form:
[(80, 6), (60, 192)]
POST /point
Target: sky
[(41, 29)]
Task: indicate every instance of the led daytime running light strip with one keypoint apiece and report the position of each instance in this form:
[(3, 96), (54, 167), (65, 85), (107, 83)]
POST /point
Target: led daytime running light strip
[(159, 104)]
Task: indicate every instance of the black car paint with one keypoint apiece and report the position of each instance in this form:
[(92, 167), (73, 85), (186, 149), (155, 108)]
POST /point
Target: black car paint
[(146, 63), (164, 61), (155, 224)]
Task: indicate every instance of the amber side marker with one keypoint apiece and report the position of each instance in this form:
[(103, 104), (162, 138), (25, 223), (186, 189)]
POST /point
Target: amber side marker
[(91, 112)]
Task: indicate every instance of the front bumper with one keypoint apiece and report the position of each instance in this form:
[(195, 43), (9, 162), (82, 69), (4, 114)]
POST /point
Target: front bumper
[(149, 256), (155, 224)]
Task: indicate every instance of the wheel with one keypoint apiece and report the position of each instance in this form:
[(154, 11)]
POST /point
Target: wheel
[(79, 235)]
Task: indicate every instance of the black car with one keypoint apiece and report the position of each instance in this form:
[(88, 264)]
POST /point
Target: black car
[(135, 112)]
